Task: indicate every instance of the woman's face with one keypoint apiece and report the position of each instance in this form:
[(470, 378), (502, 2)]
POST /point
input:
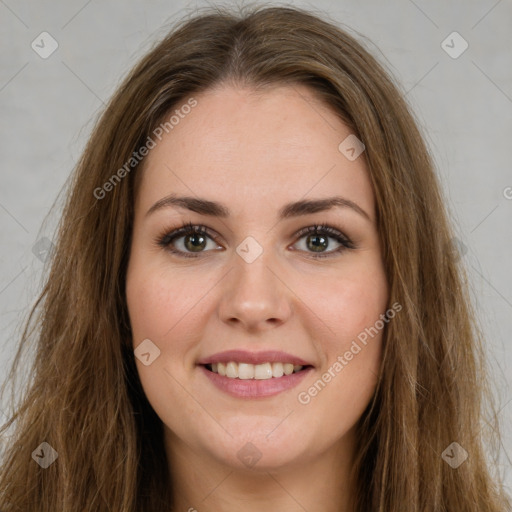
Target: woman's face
[(254, 169)]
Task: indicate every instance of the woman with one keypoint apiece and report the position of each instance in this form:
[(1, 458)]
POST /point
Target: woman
[(253, 301)]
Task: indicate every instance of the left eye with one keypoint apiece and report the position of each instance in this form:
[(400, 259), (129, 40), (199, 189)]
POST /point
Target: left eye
[(194, 238), (317, 237)]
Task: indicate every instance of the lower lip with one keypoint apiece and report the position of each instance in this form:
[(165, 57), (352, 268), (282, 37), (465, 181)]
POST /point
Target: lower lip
[(255, 388)]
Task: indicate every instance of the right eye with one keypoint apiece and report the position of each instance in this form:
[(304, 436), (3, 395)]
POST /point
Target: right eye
[(194, 238)]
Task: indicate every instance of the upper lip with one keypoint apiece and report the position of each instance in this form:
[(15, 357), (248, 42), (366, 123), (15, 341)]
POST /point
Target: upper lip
[(244, 356)]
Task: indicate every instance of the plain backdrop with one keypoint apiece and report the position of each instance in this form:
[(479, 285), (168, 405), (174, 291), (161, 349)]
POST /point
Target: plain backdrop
[(461, 96)]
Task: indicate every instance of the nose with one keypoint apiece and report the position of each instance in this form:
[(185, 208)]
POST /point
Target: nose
[(255, 297)]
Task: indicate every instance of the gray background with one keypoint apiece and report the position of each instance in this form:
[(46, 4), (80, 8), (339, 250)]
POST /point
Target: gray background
[(464, 106)]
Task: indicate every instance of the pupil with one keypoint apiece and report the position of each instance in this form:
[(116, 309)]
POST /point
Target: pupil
[(316, 245)]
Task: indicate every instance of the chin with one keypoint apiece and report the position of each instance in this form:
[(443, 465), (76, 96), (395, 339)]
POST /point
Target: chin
[(261, 447)]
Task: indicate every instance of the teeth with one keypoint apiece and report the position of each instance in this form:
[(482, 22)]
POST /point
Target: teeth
[(262, 371), (232, 370), (277, 370), (246, 371)]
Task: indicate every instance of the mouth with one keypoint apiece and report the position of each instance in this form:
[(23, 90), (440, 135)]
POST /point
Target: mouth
[(247, 374), (248, 371), (254, 381)]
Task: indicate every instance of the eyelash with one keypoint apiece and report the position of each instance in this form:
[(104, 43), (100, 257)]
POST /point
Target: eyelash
[(167, 238)]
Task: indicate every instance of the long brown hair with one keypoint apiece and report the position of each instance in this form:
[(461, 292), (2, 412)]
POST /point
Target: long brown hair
[(85, 398)]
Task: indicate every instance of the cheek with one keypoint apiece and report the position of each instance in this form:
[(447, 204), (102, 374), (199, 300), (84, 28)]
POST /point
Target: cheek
[(159, 303), (348, 308), (161, 309), (347, 303)]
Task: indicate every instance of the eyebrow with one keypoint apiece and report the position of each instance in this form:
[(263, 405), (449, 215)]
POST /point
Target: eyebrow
[(295, 209)]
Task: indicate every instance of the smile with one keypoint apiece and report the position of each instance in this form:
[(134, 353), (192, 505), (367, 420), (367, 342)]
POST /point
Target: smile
[(247, 371), (252, 387)]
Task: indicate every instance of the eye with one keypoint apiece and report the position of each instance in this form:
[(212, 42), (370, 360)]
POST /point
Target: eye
[(195, 239), (191, 240), (317, 239)]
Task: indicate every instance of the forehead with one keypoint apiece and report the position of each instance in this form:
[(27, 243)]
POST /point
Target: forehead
[(254, 149)]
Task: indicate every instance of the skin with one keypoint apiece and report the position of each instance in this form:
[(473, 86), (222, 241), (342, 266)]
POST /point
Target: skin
[(255, 152)]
